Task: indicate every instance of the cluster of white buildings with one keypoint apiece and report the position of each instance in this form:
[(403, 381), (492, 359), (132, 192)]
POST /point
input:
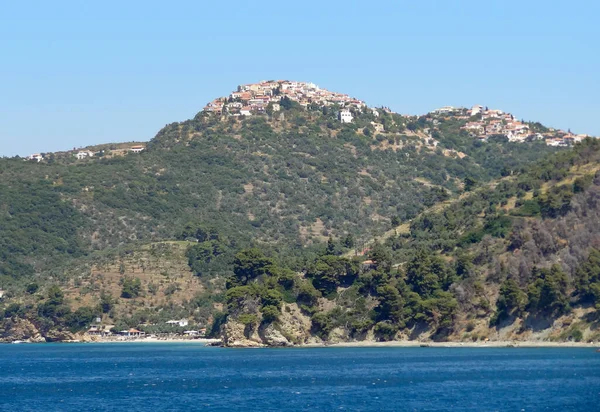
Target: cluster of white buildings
[(83, 154), (496, 122), (254, 98), (491, 122)]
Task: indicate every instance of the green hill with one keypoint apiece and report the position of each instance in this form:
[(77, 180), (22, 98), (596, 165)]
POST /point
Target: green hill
[(285, 183), (517, 259)]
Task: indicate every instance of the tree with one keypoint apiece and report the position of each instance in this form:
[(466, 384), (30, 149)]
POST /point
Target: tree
[(587, 278), (511, 301), (131, 288), (470, 183), (349, 241), (250, 264), (32, 288), (330, 246), (54, 307), (80, 319), (380, 255), (548, 292), (390, 306), (270, 313), (107, 302), (440, 309), (328, 272), (426, 274), (286, 103)]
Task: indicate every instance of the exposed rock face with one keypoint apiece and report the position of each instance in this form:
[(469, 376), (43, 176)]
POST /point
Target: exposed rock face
[(273, 337), (292, 328), (59, 336), (21, 329), (338, 335), (294, 324), (234, 336)]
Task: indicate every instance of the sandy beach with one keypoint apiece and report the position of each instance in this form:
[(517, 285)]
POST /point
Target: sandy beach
[(120, 339)]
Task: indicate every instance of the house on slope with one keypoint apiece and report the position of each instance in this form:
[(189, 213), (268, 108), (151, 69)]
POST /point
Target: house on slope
[(345, 116), (82, 154)]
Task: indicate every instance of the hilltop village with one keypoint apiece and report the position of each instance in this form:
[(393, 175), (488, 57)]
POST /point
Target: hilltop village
[(269, 97), (480, 122), (255, 98)]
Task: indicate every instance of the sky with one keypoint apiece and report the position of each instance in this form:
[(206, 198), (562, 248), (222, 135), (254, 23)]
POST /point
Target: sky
[(75, 73)]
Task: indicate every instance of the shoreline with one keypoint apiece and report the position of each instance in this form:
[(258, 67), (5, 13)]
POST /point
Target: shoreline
[(204, 341), (355, 344), (490, 344)]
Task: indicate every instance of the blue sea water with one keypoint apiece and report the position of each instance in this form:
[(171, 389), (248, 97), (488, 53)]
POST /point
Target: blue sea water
[(174, 376)]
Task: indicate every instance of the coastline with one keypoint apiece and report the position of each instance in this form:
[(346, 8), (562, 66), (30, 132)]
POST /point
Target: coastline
[(351, 344), (207, 342), (489, 344)]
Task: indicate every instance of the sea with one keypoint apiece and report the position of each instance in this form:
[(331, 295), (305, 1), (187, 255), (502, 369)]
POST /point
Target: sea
[(192, 377)]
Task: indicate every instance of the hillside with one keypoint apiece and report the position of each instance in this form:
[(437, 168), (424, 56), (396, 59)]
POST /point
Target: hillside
[(283, 180), (515, 260)]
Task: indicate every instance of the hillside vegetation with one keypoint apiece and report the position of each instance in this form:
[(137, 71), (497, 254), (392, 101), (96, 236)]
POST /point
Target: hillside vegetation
[(518, 259), (211, 187)]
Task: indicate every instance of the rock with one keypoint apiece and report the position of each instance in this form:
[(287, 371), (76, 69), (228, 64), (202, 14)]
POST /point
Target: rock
[(294, 324), (233, 336), (338, 335), (59, 336), (273, 337), (37, 339), (22, 329)]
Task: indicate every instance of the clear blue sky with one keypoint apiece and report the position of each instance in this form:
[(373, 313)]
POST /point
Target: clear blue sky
[(75, 73)]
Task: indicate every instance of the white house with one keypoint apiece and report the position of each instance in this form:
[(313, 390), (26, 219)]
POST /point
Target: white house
[(475, 110), (83, 154), (245, 111), (136, 149), (181, 322), (445, 109), (37, 157), (345, 116), (375, 112)]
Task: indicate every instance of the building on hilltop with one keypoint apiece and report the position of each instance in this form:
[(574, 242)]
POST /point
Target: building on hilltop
[(36, 157), (445, 109), (82, 154), (136, 149), (475, 110)]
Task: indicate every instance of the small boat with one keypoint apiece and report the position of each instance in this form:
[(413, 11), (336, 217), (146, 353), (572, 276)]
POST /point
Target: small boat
[(18, 341)]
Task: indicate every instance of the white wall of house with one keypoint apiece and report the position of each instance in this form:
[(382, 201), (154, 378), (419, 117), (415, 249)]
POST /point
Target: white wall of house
[(345, 116)]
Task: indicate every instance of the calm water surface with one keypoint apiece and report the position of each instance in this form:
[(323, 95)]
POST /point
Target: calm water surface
[(171, 376)]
